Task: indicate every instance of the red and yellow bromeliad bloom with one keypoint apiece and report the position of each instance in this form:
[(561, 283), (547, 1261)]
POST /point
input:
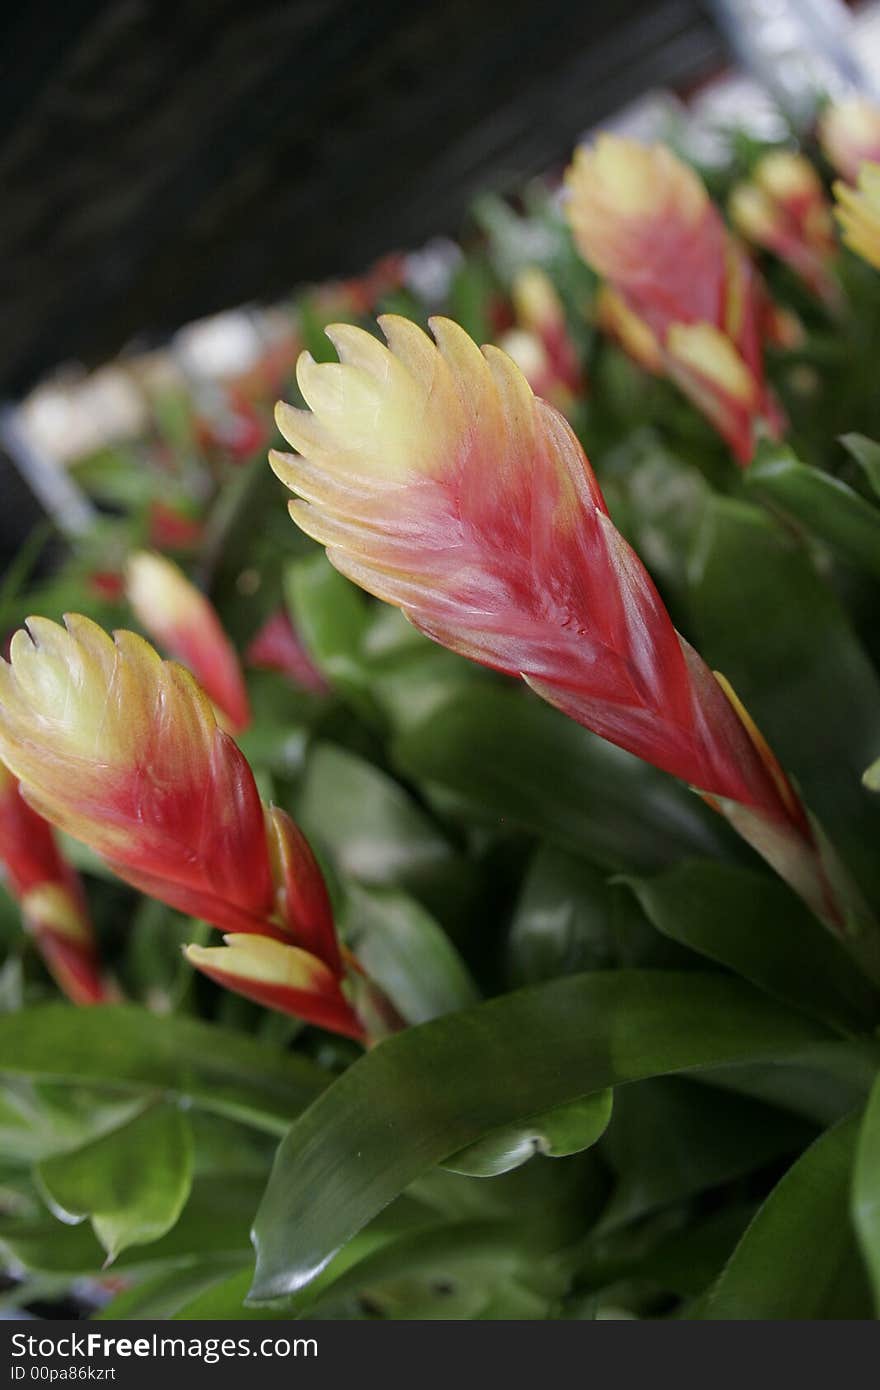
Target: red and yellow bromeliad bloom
[(683, 289), (51, 897), (858, 212), (185, 623), (849, 133), (440, 483), (540, 343), (123, 750), (783, 209)]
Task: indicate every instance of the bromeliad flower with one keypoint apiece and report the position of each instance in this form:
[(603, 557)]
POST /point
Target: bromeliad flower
[(53, 905), (440, 483), (645, 223), (183, 621), (858, 212), (849, 133), (123, 750), (783, 209), (541, 344)]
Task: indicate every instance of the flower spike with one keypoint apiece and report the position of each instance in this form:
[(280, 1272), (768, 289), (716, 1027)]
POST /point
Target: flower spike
[(52, 900), (783, 209), (858, 212), (123, 750), (645, 223), (183, 621), (849, 133), (440, 483)]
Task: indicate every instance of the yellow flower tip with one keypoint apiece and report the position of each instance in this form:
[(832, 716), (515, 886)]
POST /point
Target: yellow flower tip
[(849, 133), (259, 960), (786, 176), (50, 907), (752, 212), (634, 335), (535, 301), (160, 593), (858, 212), (703, 349)]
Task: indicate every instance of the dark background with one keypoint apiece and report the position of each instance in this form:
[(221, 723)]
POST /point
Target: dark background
[(160, 161)]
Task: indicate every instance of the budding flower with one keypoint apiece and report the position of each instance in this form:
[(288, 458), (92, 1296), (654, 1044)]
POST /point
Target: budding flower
[(123, 750), (276, 646), (541, 344), (849, 133), (183, 621), (783, 209), (858, 212), (440, 483), (643, 220), (52, 901), (280, 976)]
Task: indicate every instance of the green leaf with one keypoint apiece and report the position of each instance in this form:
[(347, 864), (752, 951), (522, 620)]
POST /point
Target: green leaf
[(428, 1092), (671, 1139), (400, 945), (756, 926), (568, 1129), (331, 616), (129, 1049), (866, 1190), (163, 1295), (798, 1260), (563, 920), (778, 633), (827, 507), (871, 776), (374, 830), (510, 758), (131, 1183), (45, 1244), (866, 452)]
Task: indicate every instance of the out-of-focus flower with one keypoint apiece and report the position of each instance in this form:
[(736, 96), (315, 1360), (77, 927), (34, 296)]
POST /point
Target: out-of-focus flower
[(849, 132), (277, 647), (541, 345), (635, 337), (183, 621), (123, 750), (107, 584), (440, 483), (645, 223), (858, 212), (53, 905), (782, 208), (171, 529)]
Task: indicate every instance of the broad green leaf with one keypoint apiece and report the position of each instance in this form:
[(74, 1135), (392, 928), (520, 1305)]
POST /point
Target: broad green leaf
[(131, 1182), (756, 926), (331, 616), (374, 830), (563, 920), (866, 1189), (214, 1224), (128, 1049), (670, 1139), (163, 1295), (568, 1129), (428, 1092), (400, 945), (827, 507), (798, 1260), (866, 452), (779, 635), (511, 759)]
